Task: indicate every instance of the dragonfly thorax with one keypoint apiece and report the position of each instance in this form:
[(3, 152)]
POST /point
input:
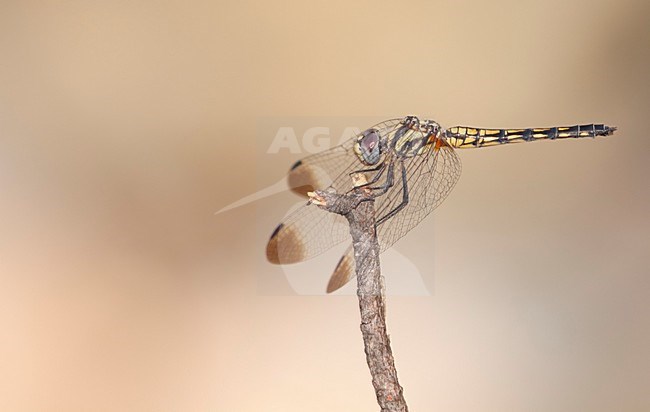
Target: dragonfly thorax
[(413, 136)]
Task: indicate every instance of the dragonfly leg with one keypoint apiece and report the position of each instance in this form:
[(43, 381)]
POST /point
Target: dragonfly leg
[(381, 189), (370, 169), (381, 169), (402, 205)]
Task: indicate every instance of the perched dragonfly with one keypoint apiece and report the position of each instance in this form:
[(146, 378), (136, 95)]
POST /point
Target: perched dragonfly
[(409, 164)]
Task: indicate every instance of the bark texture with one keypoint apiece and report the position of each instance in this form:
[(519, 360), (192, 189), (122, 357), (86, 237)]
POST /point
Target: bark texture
[(358, 208)]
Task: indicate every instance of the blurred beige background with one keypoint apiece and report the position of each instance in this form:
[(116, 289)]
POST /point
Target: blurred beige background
[(125, 125)]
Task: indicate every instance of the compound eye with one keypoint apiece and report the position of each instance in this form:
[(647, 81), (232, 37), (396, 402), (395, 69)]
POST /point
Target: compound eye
[(369, 141), (368, 147)]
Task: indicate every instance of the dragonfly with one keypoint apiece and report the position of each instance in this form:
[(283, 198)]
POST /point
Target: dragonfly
[(410, 166)]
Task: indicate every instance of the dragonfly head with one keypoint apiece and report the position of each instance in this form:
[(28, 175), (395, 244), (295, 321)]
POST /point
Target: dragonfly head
[(367, 147)]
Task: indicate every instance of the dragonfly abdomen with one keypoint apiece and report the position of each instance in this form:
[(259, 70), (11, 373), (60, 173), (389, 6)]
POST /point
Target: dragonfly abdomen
[(463, 136)]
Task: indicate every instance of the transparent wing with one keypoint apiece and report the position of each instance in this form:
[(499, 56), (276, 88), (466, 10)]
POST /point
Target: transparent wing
[(321, 170), (430, 178), (310, 231)]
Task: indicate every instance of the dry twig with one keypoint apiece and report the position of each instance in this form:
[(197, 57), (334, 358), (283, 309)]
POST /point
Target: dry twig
[(358, 208)]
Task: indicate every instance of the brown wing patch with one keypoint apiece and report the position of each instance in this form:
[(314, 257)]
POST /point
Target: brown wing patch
[(305, 178), (343, 272), (284, 246)]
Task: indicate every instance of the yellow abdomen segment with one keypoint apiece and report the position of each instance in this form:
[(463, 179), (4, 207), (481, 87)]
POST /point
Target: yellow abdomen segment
[(463, 136)]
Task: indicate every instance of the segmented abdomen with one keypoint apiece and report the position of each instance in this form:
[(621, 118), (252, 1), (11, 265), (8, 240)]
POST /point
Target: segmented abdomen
[(462, 136)]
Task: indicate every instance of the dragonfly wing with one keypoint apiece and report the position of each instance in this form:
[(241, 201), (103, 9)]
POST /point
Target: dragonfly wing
[(321, 170), (430, 178), (310, 231), (331, 168), (304, 234), (343, 272)]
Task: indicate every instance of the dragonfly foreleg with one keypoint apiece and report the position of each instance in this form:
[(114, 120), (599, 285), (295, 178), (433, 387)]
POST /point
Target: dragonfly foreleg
[(405, 199), (370, 169), (380, 171), (390, 177)]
